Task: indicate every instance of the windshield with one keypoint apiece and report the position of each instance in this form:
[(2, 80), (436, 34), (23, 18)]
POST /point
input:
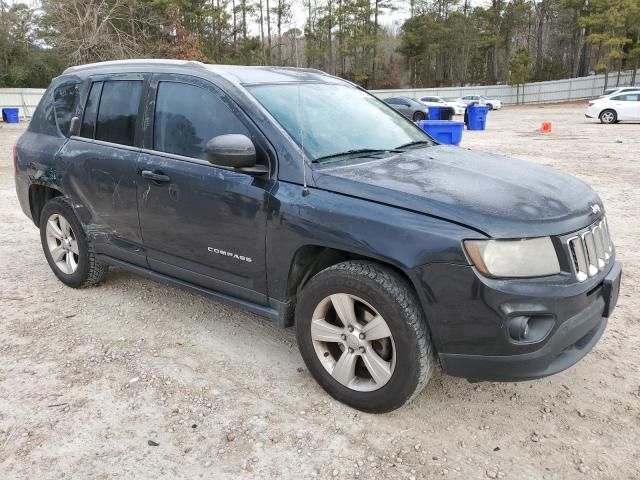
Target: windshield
[(336, 119)]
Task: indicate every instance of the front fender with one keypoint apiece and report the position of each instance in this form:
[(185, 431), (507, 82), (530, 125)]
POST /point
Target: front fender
[(388, 234)]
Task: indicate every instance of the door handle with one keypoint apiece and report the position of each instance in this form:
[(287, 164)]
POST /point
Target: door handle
[(155, 176)]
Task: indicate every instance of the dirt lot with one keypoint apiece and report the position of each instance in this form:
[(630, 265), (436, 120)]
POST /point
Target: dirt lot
[(88, 378)]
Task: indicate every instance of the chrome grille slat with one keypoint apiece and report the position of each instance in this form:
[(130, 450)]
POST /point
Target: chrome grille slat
[(590, 250)]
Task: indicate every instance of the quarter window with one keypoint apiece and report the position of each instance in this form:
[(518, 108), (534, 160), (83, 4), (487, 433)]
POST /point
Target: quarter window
[(118, 111), (187, 117), (65, 99)]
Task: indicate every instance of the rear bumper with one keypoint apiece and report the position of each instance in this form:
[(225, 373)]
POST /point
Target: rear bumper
[(22, 192), (482, 353)]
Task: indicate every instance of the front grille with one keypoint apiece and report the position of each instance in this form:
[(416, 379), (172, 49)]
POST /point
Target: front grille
[(591, 249)]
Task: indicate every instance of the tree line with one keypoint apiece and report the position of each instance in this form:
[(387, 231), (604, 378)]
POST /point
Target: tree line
[(375, 43)]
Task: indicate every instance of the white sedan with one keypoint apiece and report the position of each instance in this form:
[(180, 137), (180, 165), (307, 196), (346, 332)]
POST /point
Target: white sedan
[(618, 107), (458, 107), (492, 103)]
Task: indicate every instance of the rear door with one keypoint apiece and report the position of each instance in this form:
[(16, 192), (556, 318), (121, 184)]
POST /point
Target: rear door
[(201, 223), (99, 165)]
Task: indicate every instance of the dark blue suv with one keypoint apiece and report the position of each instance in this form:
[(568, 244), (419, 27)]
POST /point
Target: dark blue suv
[(301, 197)]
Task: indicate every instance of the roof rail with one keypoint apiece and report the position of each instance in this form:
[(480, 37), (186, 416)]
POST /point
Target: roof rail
[(132, 61)]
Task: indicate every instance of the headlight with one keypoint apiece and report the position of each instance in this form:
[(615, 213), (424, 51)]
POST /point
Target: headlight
[(514, 258)]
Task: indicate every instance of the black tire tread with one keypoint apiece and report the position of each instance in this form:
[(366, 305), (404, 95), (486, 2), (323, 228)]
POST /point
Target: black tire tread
[(417, 116), (96, 270), (406, 298), (615, 116)]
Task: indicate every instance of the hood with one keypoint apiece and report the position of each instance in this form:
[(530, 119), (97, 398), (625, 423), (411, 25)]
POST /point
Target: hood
[(497, 195)]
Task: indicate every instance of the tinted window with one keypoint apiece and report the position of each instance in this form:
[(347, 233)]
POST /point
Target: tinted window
[(44, 120), (187, 117), (627, 98), (91, 111), (118, 111), (391, 101), (65, 99)]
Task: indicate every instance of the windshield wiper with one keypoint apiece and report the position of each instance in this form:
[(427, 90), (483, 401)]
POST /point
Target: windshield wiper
[(356, 151), (412, 144)]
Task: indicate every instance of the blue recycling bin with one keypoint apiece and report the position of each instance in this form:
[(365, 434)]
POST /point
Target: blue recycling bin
[(434, 112), (443, 131), (11, 115), (477, 117)]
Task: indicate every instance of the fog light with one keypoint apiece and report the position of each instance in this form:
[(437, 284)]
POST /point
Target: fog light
[(519, 328)]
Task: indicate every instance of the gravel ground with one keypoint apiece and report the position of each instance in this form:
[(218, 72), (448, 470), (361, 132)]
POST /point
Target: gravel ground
[(134, 379)]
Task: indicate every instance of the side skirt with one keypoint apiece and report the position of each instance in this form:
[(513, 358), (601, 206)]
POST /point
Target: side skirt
[(278, 313)]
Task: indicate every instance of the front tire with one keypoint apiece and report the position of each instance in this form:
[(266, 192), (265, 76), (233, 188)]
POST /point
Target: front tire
[(66, 247), (363, 336), (608, 117)]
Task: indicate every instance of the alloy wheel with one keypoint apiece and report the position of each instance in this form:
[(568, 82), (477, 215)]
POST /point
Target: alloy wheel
[(62, 244), (353, 342), (608, 117)]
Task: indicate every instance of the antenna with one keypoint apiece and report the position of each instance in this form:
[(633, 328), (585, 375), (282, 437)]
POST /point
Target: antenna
[(305, 189)]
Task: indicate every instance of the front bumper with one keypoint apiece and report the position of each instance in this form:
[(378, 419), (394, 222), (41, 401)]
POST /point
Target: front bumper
[(471, 330)]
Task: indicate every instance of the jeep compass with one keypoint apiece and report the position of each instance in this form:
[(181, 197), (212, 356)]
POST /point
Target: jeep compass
[(301, 197)]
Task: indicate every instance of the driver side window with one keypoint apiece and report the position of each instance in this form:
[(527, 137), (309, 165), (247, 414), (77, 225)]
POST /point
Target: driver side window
[(187, 117)]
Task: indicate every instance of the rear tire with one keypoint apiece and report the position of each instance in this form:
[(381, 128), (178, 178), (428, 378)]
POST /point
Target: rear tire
[(417, 116), (69, 252), (608, 117), (388, 355)]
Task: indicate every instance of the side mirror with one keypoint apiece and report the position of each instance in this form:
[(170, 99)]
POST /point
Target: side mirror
[(233, 150), (74, 126)]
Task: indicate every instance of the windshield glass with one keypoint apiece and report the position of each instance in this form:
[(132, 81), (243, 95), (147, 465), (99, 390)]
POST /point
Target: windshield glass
[(336, 119)]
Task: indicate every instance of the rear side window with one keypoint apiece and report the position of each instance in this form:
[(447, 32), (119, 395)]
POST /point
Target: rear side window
[(187, 117), (91, 111), (65, 98), (118, 111), (44, 119)]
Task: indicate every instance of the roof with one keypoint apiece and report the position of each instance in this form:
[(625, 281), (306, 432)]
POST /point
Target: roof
[(235, 73)]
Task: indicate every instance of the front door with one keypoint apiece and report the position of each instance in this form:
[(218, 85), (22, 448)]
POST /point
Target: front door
[(200, 223), (632, 106)]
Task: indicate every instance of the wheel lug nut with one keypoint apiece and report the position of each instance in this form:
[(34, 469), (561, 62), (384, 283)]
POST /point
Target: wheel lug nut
[(343, 336), (361, 336), (350, 350), (361, 349), (350, 328)]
